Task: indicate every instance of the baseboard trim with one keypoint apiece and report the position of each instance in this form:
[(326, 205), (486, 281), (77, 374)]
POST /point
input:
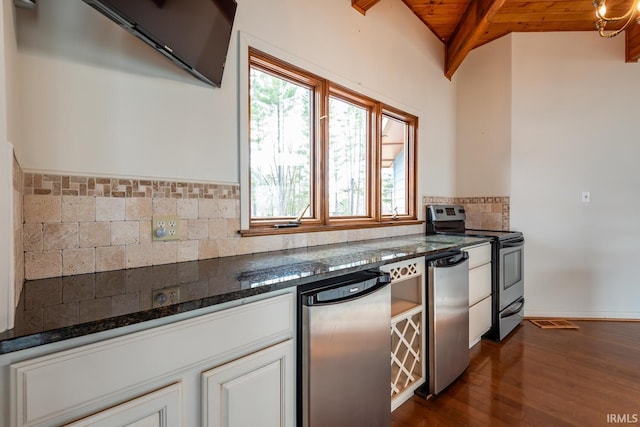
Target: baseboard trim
[(592, 319)]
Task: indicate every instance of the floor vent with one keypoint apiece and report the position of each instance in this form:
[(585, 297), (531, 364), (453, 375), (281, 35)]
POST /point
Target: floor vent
[(554, 324)]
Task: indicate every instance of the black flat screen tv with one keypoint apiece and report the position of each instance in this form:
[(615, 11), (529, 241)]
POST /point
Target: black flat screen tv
[(192, 33)]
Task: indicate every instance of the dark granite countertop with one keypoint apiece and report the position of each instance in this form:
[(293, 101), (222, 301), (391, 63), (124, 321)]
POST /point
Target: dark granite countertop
[(60, 308)]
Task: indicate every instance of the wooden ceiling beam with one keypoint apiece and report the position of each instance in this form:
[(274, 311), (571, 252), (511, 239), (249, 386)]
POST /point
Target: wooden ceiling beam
[(363, 5), (473, 24), (632, 43)]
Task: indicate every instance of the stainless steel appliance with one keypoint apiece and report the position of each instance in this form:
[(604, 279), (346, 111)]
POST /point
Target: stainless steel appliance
[(507, 269), (448, 317), (344, 352)]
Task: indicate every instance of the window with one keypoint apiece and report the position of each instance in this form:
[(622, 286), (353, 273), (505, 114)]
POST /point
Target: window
[(324, 155)]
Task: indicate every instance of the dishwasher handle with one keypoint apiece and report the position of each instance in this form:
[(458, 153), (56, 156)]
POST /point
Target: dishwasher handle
[(346, 290), (449, 260)]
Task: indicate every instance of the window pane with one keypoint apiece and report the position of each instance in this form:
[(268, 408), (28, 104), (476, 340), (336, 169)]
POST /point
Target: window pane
[(348, 126), (280, 147), (395, 139)]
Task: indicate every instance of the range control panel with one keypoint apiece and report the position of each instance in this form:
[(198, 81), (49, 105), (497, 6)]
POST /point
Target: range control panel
[(446, 213)]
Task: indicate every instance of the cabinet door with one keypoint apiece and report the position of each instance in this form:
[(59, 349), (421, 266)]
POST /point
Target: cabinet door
[(256, 390), (160, 408), (479, 320)]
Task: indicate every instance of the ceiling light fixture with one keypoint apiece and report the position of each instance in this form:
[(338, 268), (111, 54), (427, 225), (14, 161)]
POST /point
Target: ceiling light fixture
[(601, 13)]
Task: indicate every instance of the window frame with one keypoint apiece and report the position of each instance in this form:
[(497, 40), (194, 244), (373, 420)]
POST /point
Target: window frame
[(271, 65), (323, 90)]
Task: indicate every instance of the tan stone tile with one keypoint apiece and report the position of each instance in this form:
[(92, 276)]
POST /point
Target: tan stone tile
[(218, 228), (228, 246), (355, 235), (332, 237), (94, 234), (164, 252), (138, 208), (60, 236), (188, 250), (183, 229), (78, 261), (245, 246), (207, 249), (233, 227), (208, 209), (110, 209), (291, 241), (125, 233), (139, 255), (110, 258), (40, 265), (145, 232), (316, 239), (187, 208), (229, 208), (264, 243), (32, 237), (164, 206), (76, 208), (41, 208), (198, 229)]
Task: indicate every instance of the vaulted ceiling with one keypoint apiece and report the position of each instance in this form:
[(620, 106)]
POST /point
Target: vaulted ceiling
[(463, 25)]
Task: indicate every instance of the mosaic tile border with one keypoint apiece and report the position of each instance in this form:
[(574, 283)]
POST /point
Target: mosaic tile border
[(70, 185)]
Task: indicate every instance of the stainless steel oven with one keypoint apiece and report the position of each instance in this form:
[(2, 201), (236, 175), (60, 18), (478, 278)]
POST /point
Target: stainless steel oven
[(511, 276), (510, 310), (507, 248)]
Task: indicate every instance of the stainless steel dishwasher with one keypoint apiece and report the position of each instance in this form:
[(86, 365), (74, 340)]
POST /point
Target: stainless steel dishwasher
[(448, 320), (344, 352)]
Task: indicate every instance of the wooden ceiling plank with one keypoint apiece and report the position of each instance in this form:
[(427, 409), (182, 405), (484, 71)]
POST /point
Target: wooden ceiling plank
[(363, 5), (632, 43), (473, 24)]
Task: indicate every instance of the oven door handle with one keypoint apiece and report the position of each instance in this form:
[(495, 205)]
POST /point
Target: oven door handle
[(513, 243), (508, 312)]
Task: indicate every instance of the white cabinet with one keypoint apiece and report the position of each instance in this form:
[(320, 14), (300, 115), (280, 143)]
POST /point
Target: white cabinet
[(256, 390), (152, 376), (407, 328), (479, 291), (156, 409)]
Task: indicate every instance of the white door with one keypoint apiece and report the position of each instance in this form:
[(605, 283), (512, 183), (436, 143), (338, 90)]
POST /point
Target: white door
[(161, 408), (256, 390)]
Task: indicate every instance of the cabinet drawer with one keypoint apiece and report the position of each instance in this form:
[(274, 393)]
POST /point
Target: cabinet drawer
[(160, 408), (479, 320), (479, 283), (479, 255), (106, 372)]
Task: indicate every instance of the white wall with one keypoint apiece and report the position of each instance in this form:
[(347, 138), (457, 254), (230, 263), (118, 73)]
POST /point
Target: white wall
[(574, 129), (99, 101), (8, 126), (484, 121)]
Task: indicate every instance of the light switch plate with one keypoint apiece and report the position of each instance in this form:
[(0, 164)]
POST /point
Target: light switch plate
[(165, 227)]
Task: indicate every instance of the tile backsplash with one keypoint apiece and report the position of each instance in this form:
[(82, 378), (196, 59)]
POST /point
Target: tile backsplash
[(487, 213), (75, 225)]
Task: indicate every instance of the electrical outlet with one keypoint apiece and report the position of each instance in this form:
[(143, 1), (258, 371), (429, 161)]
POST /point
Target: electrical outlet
[(165, 227), (165, 297), (586, 197)]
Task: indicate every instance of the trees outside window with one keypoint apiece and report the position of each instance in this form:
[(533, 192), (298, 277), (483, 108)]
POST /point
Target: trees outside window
[(340, 157)]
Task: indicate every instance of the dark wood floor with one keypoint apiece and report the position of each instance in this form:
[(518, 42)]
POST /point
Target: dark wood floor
[(541, 377)]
